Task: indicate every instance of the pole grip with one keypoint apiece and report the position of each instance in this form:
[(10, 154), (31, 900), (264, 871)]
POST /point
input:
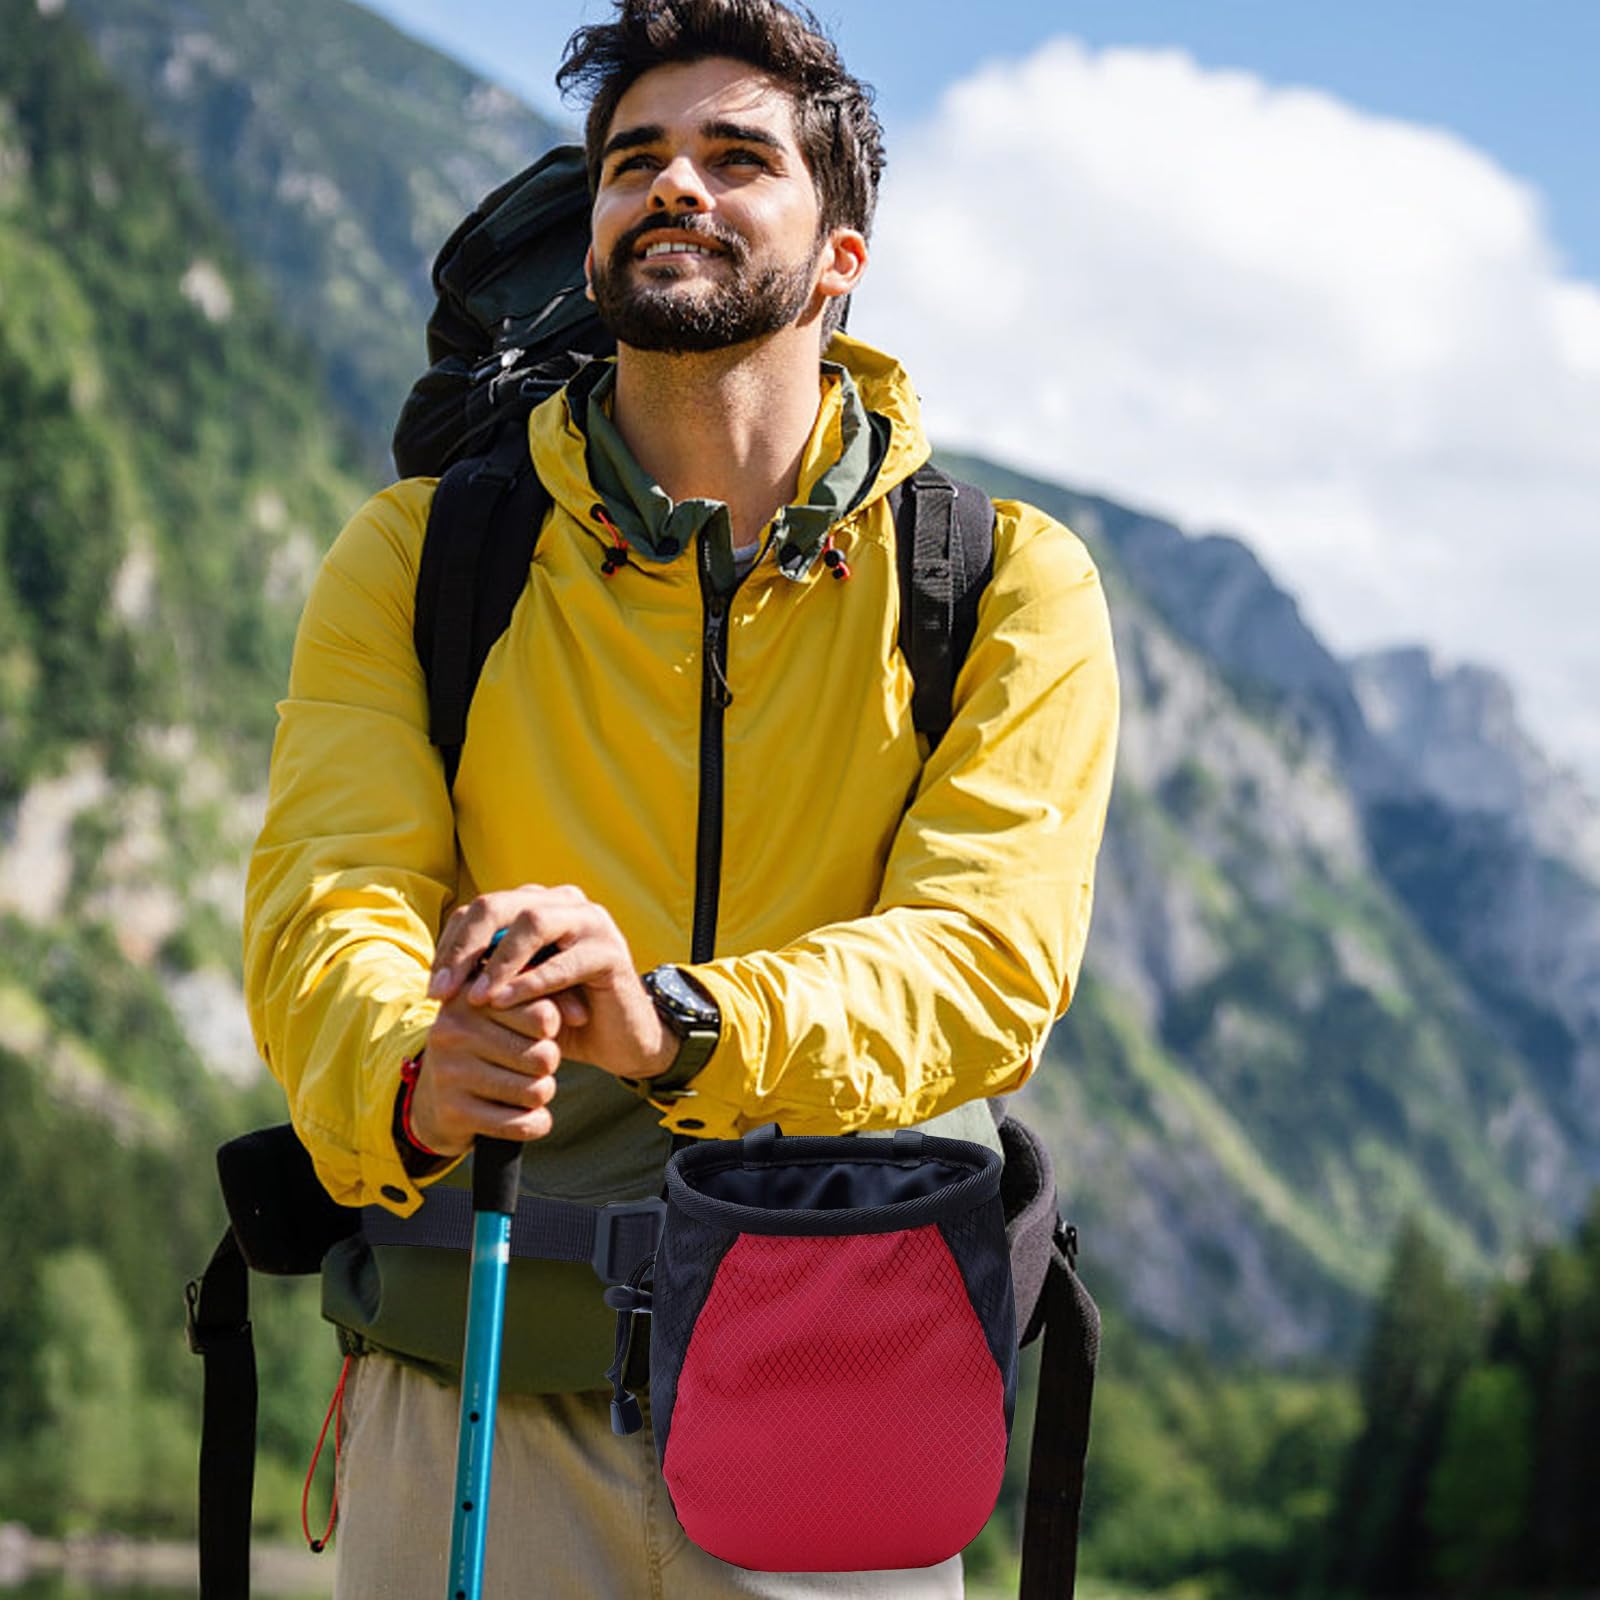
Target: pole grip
[(497, 1163), (496, 1175)]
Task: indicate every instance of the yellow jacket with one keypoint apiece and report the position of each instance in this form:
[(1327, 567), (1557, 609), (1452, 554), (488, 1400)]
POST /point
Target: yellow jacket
[(893, 938)]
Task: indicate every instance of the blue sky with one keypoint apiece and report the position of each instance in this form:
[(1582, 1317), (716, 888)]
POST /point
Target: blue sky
[(1326, 277), (1517, 78)]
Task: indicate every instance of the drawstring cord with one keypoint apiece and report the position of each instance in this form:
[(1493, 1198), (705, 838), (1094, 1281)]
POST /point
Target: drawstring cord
[(335, 1417), (834, 559), (616, 556), (629, 1300)]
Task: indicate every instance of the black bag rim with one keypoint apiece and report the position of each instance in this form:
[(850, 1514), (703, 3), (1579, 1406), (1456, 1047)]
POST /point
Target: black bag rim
[(949, 1201)]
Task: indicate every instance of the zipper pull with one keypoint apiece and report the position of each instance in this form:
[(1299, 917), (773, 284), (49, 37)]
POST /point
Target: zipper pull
[(716, 628)]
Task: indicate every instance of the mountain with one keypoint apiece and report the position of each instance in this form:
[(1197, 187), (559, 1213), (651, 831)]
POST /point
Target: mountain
[(1279, 1055), (1454, 734), (340, 170), (1492, 848), (1497, 851), (1326, 989)]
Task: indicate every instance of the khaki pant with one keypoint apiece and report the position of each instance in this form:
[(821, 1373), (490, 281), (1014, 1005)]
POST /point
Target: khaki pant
[(576, 1512)]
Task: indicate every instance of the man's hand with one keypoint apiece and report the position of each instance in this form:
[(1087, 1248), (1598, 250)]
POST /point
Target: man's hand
[(487, 1071), (605, 1015)]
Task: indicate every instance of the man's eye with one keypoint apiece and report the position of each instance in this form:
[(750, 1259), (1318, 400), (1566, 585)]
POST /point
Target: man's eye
[(744, 158), (630, 164)]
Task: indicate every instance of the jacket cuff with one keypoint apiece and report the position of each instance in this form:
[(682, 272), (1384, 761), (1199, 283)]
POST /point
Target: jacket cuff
[(678, 1076), (705, 1102), (385, 1179), (420, 1163), (672, 1089)]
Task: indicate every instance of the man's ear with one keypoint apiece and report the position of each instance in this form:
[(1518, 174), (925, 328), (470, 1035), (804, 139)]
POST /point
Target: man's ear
[(844, 262), (588, 273)]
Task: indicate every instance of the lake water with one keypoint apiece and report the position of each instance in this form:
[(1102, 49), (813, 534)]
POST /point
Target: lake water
[(111, 1568), (54, 1587), (58, 1588)]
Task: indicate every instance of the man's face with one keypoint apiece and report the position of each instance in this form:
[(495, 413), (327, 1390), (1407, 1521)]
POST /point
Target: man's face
[(705, 220)]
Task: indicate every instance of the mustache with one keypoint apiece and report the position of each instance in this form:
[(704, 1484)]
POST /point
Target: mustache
[(713, 232)]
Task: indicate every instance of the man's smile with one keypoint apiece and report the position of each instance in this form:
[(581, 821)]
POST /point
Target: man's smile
[(653, 243), (677, 247)]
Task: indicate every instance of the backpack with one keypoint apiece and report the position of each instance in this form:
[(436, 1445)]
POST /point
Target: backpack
[(510, 327)]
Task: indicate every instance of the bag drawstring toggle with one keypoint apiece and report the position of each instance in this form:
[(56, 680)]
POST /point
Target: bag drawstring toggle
[(628, 1300)]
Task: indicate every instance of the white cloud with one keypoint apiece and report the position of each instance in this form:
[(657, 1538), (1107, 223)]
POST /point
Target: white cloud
[(1346, 338)]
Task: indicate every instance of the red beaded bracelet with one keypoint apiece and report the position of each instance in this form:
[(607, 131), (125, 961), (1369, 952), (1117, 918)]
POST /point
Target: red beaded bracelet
[(410, 1070)]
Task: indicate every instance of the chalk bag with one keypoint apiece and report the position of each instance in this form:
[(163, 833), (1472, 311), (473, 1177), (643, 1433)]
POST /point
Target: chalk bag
[(833, 1348)]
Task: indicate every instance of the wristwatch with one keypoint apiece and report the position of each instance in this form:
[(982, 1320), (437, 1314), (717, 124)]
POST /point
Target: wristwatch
[(693, 1017)]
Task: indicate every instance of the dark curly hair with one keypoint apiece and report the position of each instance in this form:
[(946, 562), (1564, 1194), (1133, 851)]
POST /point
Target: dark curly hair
[(835, 125)]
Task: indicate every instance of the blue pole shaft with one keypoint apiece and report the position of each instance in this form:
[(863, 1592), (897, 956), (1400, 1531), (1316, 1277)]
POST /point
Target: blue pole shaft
[(480, 1387), (496, 1180)]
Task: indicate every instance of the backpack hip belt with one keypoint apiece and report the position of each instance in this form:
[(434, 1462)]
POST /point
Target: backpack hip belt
[(282, 1223)]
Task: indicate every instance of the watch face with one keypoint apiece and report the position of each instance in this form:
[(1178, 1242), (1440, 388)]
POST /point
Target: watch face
[(687, 1001)]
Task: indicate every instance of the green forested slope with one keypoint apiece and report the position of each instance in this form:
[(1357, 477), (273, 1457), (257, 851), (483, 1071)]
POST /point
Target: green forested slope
[(1461, 1458), (169, 469), (168, 451)]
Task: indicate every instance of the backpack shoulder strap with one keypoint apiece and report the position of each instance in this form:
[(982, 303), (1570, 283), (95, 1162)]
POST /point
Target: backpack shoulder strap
[(1052, 1302), (282, 1221), (217, 1321), (944, 540), (1071, 1348), (482, 530)]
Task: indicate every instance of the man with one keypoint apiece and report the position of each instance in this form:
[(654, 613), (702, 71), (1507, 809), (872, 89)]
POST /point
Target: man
[(691, 769)]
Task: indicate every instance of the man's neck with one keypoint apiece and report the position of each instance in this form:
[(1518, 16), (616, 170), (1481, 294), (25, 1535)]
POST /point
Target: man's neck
[(728, 425)]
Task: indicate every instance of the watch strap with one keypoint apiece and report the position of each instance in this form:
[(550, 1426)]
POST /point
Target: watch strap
[(698, 1037)]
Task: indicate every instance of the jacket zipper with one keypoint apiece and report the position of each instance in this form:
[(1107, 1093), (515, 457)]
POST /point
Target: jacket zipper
[(714, 699)]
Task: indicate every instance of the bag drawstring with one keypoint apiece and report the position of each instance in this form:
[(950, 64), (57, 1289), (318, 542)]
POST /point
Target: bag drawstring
[(335, 1417), (628, 1300)]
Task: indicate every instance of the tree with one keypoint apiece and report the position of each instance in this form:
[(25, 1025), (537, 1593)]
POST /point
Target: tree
[(1551, 1328), (1423, 1336), (86, 1455), (1481, 1488)]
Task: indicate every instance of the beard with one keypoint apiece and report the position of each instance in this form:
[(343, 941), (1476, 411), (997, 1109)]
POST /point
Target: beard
[(668, 316)]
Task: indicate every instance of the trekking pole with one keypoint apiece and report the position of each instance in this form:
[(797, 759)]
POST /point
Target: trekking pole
[(496, 1180), (496, 1177)]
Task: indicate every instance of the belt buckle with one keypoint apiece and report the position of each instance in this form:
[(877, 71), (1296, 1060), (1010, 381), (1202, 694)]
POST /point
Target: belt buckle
[(203, 1340), (608, 1225)]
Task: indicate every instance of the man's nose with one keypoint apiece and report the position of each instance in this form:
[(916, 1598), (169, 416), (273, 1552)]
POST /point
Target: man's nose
[(679, 186)]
